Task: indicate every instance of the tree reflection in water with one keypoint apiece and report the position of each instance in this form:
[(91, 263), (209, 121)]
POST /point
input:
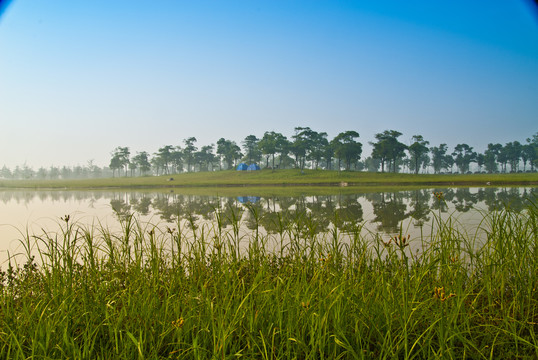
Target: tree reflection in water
[(389, 210), (348, 213), (420, 208), (308, 216), (302, 215)]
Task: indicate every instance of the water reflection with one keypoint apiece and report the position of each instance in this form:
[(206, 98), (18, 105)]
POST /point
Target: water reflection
[(419, 207), (388, 209)]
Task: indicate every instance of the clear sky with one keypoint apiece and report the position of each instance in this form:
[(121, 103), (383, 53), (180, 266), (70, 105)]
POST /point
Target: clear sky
[(79, 78)]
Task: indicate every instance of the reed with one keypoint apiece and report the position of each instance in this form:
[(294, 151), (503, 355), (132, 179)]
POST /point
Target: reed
[(213, 291)]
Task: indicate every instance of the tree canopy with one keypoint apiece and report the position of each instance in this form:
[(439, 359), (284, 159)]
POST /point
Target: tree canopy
[(306, 148), (388, 149)]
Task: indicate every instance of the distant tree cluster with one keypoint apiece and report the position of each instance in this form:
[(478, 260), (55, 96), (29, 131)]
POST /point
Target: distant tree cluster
[(306, 148), (25, 172)]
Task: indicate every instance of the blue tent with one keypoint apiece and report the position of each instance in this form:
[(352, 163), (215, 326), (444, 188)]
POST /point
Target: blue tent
[(242, 167), (253, 167), (248, 199)]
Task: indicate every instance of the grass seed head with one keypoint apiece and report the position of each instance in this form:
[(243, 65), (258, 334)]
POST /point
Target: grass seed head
[(439, 293), (178, 323), (438, 195)]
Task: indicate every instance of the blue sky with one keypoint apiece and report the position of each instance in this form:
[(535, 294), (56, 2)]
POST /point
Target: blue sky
[(78, 78)]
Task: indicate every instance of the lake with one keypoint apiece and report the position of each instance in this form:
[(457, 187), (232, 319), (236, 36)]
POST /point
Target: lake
[(381, 212)]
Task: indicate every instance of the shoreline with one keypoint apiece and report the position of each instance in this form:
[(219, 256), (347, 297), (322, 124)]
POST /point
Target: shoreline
[(280, 179)]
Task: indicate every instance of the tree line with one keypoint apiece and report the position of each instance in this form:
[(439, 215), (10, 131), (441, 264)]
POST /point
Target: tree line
[(306, 148)]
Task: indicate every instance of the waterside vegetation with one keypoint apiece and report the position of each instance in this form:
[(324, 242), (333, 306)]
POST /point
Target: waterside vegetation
[(211, 291), (307, 149)]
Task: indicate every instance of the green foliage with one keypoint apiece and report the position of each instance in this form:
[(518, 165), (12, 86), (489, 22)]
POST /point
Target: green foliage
[(272, 143), (228, 151), (513, 152), (252, 152), (189, 151), (120, 159), (531, 151), (214, 292), (388, 149), (205, 157), (301, 145), (491, 157), (163, 158), (418, 151), (463, 156), (347, 148)]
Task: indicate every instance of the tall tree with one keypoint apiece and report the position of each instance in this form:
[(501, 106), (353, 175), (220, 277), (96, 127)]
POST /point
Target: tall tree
[(252, 152), (115, 164), (513, 152), (120, 159), (229, 151), (440, 159), (463, 156), (176, 159), (490, 157), (157, 164), (164, 158), (503, 157), (206, 158), (480, 161), (418, 151), (141, 160), (189, 151), (529, 154), (531, 151), (270, 144), (267, 146), (6, 173), (41, 173), (318, 144), (54, 172), (328, 155), (388, 148), (67, 172), (347, 148), (301, 145), (284, 147), (372, 164), (308, 145), (132, 167)]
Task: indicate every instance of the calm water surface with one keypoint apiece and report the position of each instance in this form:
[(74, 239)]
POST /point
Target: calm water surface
[(385, 213)]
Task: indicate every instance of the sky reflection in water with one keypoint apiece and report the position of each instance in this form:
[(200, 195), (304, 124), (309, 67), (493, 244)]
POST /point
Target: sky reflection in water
[(383, 212)]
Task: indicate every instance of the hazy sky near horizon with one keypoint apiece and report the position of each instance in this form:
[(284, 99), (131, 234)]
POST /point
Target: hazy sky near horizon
[(79, 78)]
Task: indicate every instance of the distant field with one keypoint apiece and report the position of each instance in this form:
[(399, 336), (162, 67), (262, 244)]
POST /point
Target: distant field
[(270, 178)]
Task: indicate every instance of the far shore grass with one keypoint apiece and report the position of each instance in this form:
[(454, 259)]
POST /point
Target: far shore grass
[(283, 178)]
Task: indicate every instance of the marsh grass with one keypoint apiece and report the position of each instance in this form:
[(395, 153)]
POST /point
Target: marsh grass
[(213, 291)]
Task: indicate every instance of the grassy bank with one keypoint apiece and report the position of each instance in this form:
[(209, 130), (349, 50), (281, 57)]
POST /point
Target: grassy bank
[(282, 178), (218, 293)]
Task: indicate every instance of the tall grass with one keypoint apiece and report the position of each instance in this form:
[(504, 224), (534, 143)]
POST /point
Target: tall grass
[(212, 291)]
